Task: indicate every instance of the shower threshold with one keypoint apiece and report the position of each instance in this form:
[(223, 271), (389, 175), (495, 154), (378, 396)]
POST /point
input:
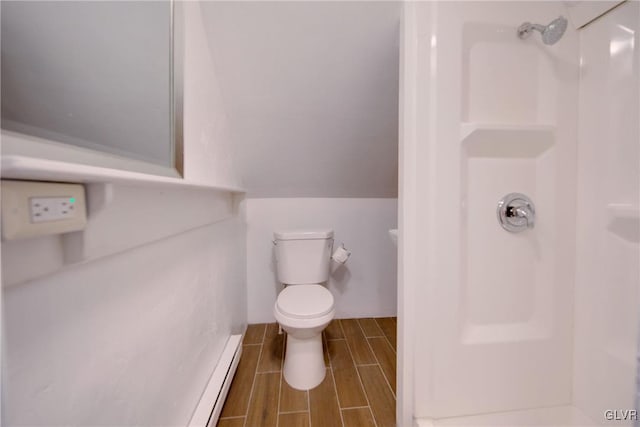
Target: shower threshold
[(539, 417)]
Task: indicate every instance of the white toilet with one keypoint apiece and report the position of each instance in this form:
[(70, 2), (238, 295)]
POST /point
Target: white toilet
[(305, 307)]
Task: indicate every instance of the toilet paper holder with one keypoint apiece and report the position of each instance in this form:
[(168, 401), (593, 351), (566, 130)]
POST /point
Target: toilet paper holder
[(341, 254)]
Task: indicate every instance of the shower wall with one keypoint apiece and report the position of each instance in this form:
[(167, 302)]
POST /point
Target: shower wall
[(608, 223), (495, 115)]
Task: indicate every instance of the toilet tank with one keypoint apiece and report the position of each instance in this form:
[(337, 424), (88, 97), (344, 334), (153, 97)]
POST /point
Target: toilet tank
[(303, 256)]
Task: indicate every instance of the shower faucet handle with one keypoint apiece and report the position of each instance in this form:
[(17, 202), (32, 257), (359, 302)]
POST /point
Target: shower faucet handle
[(516, 212), (521, 212)]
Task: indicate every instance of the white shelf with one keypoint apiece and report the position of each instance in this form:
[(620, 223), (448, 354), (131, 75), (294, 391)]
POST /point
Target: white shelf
[(22, 167), (467, 128), (393, 233), (624, 221), (623, 210), (506, 140)]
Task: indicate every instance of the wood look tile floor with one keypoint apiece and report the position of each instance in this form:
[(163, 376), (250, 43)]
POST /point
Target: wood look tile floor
[(358, 390)]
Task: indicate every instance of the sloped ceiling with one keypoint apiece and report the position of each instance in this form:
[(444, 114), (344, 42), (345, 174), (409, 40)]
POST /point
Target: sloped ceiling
[(311, 90)]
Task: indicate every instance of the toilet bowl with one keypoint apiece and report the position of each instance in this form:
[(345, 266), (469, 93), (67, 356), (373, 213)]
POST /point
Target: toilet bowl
[(304, 307), (304, 312)]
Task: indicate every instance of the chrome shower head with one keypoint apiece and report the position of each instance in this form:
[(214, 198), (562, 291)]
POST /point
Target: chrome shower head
[(550, 33)]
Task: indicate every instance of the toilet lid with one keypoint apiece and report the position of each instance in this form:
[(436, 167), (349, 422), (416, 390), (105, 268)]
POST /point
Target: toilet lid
[(305, 301)]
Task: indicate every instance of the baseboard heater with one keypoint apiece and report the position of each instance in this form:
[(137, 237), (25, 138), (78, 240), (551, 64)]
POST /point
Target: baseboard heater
[(210, 406)]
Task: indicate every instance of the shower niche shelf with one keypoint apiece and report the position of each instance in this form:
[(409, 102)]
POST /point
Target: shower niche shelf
[(624, 210), (506, 140), (498, 159), (623, 220)]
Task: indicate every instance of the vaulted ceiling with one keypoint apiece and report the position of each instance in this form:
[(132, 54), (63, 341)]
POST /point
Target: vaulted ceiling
[(311, 90)]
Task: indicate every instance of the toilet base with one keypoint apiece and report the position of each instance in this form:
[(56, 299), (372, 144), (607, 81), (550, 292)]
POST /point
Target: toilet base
[(304, 362)]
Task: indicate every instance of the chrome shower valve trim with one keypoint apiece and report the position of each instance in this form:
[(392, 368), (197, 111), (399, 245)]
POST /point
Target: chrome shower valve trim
[(516, 213)]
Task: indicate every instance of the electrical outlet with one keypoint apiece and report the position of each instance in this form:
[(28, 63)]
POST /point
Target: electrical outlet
[(44, 209), (32, 208)]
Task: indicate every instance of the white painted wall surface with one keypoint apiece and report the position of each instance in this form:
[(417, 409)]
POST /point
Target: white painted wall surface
[(210, 152), (129, 339), (312, 94), (608, 220), (364, 286), (131, 333)]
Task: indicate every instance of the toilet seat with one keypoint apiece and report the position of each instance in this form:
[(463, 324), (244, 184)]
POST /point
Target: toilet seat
[(305, 301)]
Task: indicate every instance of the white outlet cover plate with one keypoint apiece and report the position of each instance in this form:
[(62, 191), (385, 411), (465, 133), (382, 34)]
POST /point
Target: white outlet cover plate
[(43, 209), (19, 200)]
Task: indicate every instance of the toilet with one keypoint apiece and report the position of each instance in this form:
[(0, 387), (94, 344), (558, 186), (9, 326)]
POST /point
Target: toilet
[(305, 306)]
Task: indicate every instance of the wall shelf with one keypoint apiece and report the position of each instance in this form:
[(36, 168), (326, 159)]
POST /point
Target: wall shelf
[(154, 205), (506, 140), (467, 128), (624, 210), (30, 168), (624, 221)]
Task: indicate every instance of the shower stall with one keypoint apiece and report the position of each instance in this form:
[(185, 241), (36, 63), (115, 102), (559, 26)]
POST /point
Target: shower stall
[(519, 224)]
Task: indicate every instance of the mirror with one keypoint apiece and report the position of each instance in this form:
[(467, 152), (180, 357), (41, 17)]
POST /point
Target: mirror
[(95, 75)]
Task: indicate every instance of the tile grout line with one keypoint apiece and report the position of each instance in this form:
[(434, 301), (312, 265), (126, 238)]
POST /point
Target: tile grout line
[(335, 388), (374, 321), (292, 412), (284, 338), (385, 335), (330, 367), (309, 406), (325, 346), (395, 350), (372, 364), (381, 370), (366, 396), (255, 375)]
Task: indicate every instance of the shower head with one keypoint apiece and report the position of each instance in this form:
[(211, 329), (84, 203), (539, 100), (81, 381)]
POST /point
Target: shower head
[(550, 33)]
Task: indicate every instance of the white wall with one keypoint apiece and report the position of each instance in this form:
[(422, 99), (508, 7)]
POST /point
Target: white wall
[(129, 339), (210, 152), (364, 286), (608, 221), (312, 91), (130, 334), (312, 95)]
